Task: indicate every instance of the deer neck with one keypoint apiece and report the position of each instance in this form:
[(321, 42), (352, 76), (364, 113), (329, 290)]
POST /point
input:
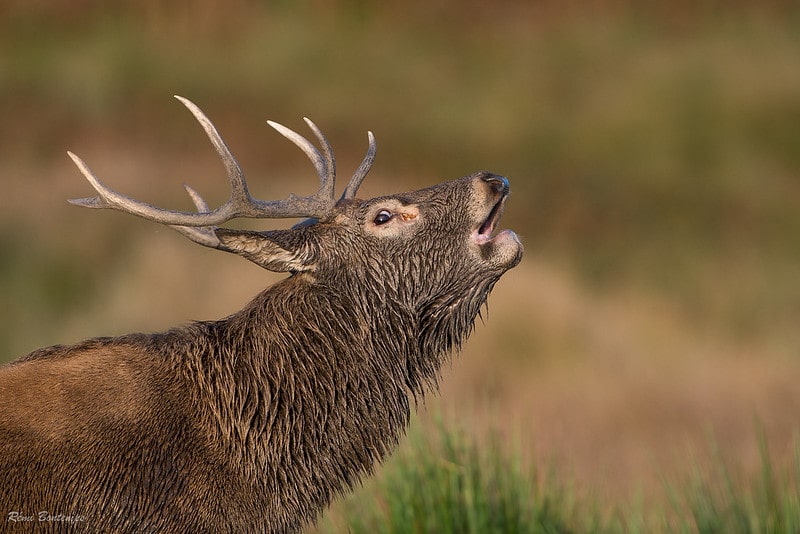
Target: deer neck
[(319, 377)]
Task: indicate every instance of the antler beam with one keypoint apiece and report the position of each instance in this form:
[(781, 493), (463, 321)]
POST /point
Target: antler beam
[(240, 204)]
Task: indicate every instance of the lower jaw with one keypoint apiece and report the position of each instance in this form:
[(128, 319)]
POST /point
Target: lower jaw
[(502, 251), (502, 237)]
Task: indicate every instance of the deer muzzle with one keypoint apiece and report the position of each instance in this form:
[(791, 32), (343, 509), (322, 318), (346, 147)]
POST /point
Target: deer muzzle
[(502, 249)]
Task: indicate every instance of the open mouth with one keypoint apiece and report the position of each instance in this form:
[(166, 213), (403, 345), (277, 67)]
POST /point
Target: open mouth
[(487, 228)]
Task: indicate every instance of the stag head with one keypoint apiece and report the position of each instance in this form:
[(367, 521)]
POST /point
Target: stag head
[(433, 249)]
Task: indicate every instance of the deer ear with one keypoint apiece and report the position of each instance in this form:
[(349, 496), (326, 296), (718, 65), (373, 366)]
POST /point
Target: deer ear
[(277, 250)]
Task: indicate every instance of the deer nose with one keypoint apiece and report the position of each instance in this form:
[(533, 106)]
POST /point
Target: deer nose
[(498, 184)]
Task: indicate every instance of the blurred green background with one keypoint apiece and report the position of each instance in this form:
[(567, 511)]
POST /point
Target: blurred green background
[(653, 151)]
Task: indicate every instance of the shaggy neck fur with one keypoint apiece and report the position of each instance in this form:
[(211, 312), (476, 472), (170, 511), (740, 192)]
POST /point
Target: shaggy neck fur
[(305, 400)]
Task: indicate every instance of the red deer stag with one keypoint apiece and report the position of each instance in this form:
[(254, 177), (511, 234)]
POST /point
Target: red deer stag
[(256, 422)]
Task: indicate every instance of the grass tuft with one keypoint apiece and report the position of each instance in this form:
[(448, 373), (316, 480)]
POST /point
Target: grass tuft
[(449, 483), (723, 499)]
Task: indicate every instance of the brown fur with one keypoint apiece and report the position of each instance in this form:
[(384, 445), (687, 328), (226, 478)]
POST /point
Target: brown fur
[(255, 422)]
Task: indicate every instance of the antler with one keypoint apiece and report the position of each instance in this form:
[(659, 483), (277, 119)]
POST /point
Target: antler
[(199, 225)]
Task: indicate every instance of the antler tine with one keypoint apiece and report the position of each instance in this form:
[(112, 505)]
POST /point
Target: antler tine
[(203, 235), (198, 201), (328, 182), (362, 171), (108, 198), (303, 144), (239, 193)]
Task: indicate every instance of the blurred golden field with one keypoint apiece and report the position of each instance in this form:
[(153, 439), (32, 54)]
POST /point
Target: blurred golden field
[(654, 157)]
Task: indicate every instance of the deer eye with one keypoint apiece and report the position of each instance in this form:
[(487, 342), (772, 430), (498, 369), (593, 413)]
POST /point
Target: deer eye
[(383, 217)]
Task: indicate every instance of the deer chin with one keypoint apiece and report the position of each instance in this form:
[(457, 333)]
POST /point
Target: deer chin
[(503, 249)]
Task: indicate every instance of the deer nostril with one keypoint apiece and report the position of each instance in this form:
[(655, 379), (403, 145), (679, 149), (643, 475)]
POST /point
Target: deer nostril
[(498, 184)]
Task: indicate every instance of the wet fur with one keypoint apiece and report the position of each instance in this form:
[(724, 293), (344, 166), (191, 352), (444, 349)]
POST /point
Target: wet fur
[(255, 422)]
